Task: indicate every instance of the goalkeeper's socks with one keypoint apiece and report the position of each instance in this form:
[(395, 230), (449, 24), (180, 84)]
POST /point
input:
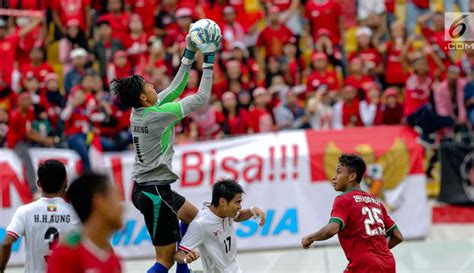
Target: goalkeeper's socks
[(182, 268), (157, 268)]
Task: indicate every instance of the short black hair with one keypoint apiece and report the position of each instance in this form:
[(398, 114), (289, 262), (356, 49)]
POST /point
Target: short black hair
[(51, 176), (128, 90), (225, 188), (354, 163), (82, 191)]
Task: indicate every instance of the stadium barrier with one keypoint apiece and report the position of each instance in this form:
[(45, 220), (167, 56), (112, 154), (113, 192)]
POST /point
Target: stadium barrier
[(285, 173)]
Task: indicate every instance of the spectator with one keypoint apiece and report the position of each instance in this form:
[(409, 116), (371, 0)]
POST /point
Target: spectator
[(392, 110), (325, 14), (54, 99), (38, 66), (322, 75), (449, 96), (21, 135), (192, 84), (77, 125), (357, 77), (3, 126), (273, 70), (290, 115), (466, 63), (232, 31), (105, 47), (415, 9), (176, 33), (137, 42), (8, 46), (34, 38), (75, 38), (346, 111), (118, 19), (79, 61), (146, 10), (248, 65), (32, 86), (262, 120), (371, 58), (8, 98), (273, 37), (120, 67), (319, 109), (293, 64), (370, 108), (42, 125), (325, 45), (469, 101), (290, 14), (80, 10), (236, 120), (206, 123), (165, 19), (395, 69)]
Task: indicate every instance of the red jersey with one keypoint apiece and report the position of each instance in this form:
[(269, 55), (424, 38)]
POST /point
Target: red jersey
[(274, 39), (364, 224), (7, 55), (39, 71), (71, 9), (358, 82), (146, 10), (417, 93), (81, 256), (262, 120), (324, 15), (137, 48), (393, 65), (27, 4), (370, 56), (329, 78), (119, 25), (19, 124), (78, 122)]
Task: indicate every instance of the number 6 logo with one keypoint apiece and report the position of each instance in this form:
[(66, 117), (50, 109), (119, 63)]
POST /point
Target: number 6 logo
[(458, 23)]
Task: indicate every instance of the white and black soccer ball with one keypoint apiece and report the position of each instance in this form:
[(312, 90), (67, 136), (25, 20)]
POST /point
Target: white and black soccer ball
[(199, 37)]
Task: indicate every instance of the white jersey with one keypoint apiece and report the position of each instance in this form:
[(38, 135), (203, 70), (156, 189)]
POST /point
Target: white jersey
[(42, 223), (215, 239)]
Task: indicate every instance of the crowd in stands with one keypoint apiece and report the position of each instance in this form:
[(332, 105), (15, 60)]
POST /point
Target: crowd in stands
[(283, 64)]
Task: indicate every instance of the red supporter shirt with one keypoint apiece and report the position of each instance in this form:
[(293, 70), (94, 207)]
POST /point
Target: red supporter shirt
[(40, 71), (71, 9), (261, 120), (78, 123), (424, 4), (390, 5), (394, 73), (328, 78), (364, 224), (146, 10), (351, 114), (283, 5), (325, 15), (417, 93), (137, 48), (7, 56), (35, 38), (370, 56), (19, 124), (77, 256), (119, 25), (274, 39), (27, 4), (358, 82)]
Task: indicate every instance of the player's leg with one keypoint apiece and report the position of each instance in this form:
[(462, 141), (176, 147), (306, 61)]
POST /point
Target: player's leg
[(186, 213)]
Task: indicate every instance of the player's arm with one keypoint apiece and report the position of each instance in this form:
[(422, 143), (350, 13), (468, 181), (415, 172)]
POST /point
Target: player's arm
[(6, 250), (325, 233), (198, 100), (393, 233), (192, 239), (246, 214), (178, 84)]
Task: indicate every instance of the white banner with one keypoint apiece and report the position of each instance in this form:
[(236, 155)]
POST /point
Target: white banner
[(274, 170)]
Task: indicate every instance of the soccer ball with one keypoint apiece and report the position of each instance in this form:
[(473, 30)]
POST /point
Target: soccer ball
[(198, 35)]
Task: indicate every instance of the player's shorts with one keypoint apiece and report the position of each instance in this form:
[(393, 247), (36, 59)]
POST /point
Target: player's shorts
[(367, 266), (159, 206)]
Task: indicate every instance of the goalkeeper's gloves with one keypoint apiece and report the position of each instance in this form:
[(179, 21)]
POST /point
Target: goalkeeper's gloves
[(190, 51), (212, 36)]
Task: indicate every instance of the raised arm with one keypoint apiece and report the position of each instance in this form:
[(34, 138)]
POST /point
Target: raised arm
[(178, 84)]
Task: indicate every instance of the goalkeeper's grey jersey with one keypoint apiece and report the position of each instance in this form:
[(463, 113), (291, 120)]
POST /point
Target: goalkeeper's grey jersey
[(153, 127)]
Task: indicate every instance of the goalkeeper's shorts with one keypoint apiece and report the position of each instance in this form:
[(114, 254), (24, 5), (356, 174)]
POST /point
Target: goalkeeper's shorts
[(159, 206)]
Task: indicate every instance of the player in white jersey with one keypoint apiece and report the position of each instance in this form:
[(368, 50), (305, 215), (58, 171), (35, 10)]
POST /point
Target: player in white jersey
[(212, 230), (42, 222)]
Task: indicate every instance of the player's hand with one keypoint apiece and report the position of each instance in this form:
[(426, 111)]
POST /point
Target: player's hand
[(306, 242), (260, 214), (212, 35), (189, 44), (191, 257)]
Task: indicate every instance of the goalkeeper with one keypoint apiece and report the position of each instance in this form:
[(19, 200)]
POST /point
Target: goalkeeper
[(152, 125)]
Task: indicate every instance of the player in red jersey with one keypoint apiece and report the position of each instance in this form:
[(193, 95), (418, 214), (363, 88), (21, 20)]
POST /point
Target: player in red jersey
[(97, 203), (361, 222)]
